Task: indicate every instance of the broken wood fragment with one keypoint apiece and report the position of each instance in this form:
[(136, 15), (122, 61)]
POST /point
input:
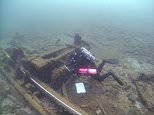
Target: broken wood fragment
[(101, 107), (64, 91)]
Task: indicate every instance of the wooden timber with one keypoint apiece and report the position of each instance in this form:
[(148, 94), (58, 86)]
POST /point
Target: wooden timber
[(34, 102)]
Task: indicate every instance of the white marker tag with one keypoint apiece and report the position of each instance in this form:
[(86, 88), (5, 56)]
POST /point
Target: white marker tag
[(80, 88)]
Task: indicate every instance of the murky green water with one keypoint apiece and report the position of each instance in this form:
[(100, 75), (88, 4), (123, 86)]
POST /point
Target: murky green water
[(121, 29)]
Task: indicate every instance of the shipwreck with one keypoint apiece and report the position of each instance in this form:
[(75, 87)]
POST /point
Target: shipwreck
[(48, 77)]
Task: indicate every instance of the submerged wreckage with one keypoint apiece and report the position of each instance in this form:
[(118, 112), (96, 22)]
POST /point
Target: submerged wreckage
[(58, 77)]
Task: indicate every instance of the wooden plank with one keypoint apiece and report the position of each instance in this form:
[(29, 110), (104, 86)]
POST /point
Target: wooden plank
[(64, 91), (101, 106), (32, 101), (60, 100)]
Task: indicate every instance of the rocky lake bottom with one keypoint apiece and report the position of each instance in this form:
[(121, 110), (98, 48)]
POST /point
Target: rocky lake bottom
[(134, 52)]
